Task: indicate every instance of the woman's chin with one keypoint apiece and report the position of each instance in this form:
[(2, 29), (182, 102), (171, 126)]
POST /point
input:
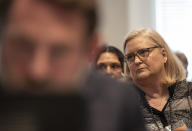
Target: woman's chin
[(142, 76)]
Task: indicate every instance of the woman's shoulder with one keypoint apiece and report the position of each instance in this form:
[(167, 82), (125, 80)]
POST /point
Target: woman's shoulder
[(189, 83), (178, 85), (183, 83), (180, 88)]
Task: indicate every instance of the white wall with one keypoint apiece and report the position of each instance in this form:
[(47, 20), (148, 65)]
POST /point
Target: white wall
[(118, 17), (113, 23), (141, 13)]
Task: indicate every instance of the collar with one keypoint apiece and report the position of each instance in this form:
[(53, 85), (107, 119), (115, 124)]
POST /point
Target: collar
[(177, 90)]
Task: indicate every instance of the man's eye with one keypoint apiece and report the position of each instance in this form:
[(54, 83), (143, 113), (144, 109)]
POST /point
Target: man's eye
[(59, 52), (22, 46)]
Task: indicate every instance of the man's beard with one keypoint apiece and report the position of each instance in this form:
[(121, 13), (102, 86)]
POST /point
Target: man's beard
[(37, 87), (27, 86)]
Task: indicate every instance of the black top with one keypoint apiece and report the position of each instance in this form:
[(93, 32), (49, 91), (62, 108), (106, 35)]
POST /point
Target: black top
[(101, 104)]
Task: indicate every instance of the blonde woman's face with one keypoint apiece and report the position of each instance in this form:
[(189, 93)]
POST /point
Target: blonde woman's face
[(145, 58)]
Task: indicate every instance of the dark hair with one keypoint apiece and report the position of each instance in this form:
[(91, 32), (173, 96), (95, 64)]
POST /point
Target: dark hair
[(182, 58), (114, 50), (87, 7)]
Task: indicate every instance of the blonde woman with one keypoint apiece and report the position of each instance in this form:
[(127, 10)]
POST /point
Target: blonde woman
[(160, 78)]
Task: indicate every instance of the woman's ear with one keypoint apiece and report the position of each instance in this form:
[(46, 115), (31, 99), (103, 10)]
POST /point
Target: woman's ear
[(164, 53)]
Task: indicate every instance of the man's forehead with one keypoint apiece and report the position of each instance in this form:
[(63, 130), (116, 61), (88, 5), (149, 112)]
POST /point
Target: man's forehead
[(38, 11), (85, 8), (40, 22), (73, 4), (40, 6)]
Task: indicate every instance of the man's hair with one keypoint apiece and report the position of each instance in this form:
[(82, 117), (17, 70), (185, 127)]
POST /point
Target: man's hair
[(114, 50), (87, 7)]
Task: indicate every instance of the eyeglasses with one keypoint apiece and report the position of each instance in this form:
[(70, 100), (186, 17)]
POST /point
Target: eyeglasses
[(142, 54)]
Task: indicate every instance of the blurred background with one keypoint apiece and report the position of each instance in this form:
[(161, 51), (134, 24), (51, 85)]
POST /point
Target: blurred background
[(171, 18)]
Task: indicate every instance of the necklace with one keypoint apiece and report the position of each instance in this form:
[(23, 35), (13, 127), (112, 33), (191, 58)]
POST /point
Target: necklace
[(154, 103), (153, 115)]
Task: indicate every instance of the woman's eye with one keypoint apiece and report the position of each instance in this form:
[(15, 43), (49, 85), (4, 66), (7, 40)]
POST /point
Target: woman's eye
[(101, 67), (130, 57), (115, 66), (142, 52)]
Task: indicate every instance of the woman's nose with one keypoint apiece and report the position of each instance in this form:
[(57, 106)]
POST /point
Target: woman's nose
[(137, 59)]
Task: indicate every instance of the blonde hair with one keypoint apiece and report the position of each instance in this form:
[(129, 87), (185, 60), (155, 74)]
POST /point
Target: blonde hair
[(173, 68)]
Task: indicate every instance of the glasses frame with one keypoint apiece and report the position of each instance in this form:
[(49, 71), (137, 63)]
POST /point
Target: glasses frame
[(137, 54)]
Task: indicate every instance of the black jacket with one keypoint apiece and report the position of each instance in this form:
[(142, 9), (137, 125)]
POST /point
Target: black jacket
[(113, 105), (100, 104)]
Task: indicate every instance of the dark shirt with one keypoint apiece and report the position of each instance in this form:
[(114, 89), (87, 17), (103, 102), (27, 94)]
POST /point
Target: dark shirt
[(100, 104), (114, 106)]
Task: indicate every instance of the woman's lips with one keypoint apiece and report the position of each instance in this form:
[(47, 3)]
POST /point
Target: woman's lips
[(140, 69)]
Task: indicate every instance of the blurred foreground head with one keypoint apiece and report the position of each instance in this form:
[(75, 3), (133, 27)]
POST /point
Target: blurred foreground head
[(45, 43)]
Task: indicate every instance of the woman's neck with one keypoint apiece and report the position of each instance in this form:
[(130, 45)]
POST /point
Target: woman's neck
[(153, 86), (151, 89), (155, 91)]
